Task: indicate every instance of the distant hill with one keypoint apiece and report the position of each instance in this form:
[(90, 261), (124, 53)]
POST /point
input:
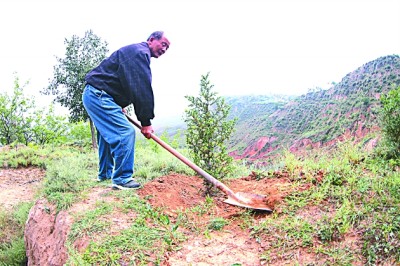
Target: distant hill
[(268, 124)]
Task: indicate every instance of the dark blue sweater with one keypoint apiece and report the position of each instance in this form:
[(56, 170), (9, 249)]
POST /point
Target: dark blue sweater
[(126, 76)]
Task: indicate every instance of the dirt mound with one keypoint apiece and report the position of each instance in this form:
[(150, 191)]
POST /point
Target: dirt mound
[(177, 192)]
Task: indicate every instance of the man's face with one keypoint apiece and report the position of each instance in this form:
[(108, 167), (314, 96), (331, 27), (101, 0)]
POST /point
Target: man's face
[(158, 47)]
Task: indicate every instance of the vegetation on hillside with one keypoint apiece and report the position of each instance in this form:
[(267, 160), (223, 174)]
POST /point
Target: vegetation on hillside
[(21, 122), (351, 193), (319, 116), (390, 122)]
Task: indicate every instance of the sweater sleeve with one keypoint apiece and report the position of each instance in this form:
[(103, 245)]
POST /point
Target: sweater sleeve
[(136, 76)]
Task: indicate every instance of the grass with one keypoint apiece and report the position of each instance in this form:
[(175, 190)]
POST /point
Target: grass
[(67, 177), (353, 193), (90, 222), (193, 218), (148, 168), (151, 232), (12, 246), (15, 156), (358, 193)]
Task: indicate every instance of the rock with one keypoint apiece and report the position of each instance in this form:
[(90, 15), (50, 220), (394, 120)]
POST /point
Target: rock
[(45, 235)]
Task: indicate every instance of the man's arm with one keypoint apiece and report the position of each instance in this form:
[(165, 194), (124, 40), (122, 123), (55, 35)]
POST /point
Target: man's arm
[(136, 76)]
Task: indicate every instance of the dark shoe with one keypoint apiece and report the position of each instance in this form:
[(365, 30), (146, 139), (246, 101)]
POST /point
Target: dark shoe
[(130, 185)]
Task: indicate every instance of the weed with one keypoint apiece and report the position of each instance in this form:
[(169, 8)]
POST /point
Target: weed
[(336, 255), (246, 219), (296, 200), (149, 168), (13, 253), (135, 242), (191, 218), (12, 246), (326, 229), (217, 224), (291, 162), (288, 234), (90, 222), (382, 238), (33, 155), (67, 178)]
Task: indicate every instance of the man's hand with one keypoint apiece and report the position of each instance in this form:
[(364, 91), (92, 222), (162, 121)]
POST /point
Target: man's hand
[(147, 131)]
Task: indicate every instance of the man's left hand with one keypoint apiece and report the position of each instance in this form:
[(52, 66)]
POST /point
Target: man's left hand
[(147, 131)]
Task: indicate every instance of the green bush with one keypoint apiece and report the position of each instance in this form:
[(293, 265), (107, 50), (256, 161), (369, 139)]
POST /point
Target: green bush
[(208, 131), (390, 121)]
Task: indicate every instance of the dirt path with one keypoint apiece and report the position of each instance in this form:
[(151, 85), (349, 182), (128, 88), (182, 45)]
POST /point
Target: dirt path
[(18, 185)]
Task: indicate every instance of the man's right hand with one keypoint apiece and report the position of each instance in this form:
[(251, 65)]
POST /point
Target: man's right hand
[(147, 131)]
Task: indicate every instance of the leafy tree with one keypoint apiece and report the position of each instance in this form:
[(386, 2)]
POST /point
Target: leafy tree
[(48, 128), (79, 134), (14, 116), (208, 130), (81, 55), (390, 119)]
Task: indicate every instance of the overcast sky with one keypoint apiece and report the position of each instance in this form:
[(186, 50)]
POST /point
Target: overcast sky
[(248, 46)]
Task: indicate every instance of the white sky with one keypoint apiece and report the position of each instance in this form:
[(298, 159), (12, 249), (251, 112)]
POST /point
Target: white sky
[(248, 46)]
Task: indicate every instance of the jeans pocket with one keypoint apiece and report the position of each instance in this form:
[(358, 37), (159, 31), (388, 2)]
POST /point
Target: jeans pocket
[(97, 93), (107, 101)]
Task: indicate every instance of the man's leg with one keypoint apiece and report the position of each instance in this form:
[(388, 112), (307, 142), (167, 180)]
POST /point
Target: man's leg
[(106, 162), (115, 130)]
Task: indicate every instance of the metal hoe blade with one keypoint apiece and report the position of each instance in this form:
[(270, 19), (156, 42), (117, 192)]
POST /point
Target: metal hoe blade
[(241, 199), (249, 200)]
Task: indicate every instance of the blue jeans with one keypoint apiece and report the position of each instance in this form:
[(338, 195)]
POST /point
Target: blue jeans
[(115, 136)]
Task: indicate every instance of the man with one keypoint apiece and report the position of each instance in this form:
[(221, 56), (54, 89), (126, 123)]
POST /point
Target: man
[(122, 79)]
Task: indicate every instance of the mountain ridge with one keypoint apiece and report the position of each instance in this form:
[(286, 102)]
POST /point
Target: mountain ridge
[(319, 118), (269, 124)]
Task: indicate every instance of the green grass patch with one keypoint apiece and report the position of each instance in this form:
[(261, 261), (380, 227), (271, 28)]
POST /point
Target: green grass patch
[(15, 156), (68, 177), (358, 192), (148, 237), (12, 246)]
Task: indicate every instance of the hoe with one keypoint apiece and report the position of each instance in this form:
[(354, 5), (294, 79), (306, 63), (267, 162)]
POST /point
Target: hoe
[(241, 199)]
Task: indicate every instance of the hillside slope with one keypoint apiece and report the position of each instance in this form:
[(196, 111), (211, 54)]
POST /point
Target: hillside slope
[(268, 125)]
